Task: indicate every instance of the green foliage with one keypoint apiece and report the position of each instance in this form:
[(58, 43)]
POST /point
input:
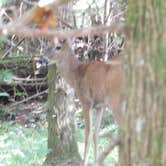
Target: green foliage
[(22, 146), (19, 94), (1, 113), (3, 39), (6, 77), (6, 115), (4, 2), (107, 119)]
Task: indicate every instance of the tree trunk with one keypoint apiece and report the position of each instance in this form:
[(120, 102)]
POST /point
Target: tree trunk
[(144, 124), (62, 143)]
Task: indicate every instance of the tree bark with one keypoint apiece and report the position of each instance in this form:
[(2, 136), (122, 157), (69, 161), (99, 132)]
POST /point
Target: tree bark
[(144, 125), (62, 142)]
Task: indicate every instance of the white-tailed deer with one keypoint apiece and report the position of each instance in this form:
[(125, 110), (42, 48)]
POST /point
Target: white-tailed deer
[(96, 84)]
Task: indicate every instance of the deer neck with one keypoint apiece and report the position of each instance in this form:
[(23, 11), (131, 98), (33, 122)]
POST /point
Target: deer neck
[(68, 68)]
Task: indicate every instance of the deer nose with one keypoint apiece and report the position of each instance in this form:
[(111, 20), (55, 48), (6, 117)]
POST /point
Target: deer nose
[(58, 47)]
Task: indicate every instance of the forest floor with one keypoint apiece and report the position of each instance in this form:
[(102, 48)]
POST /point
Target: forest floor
[(23, 140)]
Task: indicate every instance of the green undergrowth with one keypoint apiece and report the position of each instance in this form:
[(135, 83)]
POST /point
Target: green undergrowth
[(20, 146)]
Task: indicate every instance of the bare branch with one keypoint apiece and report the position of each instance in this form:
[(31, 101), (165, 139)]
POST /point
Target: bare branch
[(35, 33), (111, 146), (27, 99), (17, 79), (30, 82), (105, 11), (65, 23), (11, 48)]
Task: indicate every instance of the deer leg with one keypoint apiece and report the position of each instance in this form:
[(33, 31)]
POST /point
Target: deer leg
[(88, 129), (99, 113), (116, 108)]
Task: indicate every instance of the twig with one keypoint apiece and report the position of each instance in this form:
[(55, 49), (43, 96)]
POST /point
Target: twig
[(117, 15), (32, 84), (29, 79), (105, 11), (116, 141), (65, 23), (11, 48), (108, 15), (28, 98), (107, 135)]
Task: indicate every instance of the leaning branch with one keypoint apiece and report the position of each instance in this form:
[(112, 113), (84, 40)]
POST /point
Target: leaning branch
[(28, 98), (110, 147), (19, 26), (35, 33)]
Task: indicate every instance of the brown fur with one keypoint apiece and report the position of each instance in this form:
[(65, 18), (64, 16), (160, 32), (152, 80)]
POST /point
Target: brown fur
[(96, 84)]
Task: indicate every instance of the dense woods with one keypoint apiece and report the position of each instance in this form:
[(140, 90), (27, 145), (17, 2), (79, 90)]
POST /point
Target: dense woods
[(40, 110)]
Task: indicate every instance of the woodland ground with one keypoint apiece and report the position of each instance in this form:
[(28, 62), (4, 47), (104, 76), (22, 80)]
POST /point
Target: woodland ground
[(23, 142)]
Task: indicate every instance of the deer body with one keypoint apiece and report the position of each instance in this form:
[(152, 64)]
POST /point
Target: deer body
[(96, 84)]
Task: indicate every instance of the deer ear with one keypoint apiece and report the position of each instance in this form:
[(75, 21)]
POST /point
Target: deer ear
[(62, 41), (56, 41)]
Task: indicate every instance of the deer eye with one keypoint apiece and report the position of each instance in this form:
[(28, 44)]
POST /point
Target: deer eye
[(58, 47)]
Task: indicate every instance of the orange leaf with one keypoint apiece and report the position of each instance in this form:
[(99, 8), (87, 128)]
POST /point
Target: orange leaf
[(45, 18)]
